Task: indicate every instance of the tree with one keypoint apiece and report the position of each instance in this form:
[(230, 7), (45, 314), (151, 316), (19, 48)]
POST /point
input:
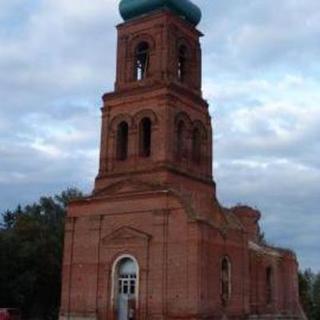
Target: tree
[(305, 290), (31, 245), (316, 296), (309, 288)]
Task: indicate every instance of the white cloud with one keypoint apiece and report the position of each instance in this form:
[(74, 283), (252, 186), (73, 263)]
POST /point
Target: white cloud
[(252, 36)]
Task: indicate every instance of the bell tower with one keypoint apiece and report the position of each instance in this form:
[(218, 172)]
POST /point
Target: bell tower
[(155, 124)]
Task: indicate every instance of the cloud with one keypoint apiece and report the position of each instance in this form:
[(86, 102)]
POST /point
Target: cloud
[(261, 77), (256, 35)]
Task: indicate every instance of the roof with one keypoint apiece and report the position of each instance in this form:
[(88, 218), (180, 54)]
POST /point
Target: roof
[(130, 9)]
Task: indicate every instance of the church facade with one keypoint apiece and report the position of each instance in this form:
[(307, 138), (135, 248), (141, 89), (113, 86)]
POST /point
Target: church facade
[(152, 242)]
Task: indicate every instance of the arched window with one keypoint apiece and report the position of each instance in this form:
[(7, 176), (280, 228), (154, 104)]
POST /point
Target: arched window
[(125, 289), (141, 60), (181, 133), (182, 60), (269, 285), (225, 280), (145, 137), (122, 141), (196, 145)]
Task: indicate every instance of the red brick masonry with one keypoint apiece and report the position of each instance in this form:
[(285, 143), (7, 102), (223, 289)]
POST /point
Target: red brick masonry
[(196, 259)]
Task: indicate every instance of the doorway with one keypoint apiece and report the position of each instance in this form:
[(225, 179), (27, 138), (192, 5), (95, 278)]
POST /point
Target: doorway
[(126, 288)]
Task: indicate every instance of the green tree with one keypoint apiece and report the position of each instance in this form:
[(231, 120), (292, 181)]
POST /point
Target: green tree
[(316, 296), (31, 244), (305, 291)]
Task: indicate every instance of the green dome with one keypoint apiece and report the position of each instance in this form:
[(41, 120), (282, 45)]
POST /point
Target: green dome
[(133, 8)]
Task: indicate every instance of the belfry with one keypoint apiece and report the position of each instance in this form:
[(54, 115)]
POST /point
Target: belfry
[(152, 242)]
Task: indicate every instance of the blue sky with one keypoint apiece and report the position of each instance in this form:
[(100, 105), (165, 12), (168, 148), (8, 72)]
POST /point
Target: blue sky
[(261, 76)]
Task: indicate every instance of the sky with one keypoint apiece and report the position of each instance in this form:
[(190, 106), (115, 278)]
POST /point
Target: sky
[(261, 76)]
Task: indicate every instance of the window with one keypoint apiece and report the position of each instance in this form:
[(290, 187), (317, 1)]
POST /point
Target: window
[(122, 141), (225, 280), (127, 277), (145, 137), (269, 280), (181, 133), (196, 145), (141, 60), (182, 59)]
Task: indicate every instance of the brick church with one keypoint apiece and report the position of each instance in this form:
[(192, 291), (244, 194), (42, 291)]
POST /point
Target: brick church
[(152, 241)]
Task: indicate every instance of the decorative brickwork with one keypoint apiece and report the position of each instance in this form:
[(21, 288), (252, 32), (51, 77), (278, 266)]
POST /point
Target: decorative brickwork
[(152, 241)]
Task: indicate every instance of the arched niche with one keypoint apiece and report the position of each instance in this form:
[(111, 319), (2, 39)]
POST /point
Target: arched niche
[(225, 280)]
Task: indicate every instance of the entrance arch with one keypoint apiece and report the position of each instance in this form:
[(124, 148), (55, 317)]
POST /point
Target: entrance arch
[(125, 287)]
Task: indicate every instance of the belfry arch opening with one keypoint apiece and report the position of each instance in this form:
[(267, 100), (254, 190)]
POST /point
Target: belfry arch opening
[(122, 141), (196, 145), (182, 63), (181, 133), (145, 137), (125, 287), (142, 56)]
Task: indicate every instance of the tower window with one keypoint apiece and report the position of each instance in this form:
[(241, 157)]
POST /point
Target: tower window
[(145, 137), (141, 60), (181, 133), (225, 280), (182, 59), (269, 289), (196, 145), (122, 141)]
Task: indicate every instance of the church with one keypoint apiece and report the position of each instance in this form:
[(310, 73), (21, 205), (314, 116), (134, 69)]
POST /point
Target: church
[(152, 241)]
